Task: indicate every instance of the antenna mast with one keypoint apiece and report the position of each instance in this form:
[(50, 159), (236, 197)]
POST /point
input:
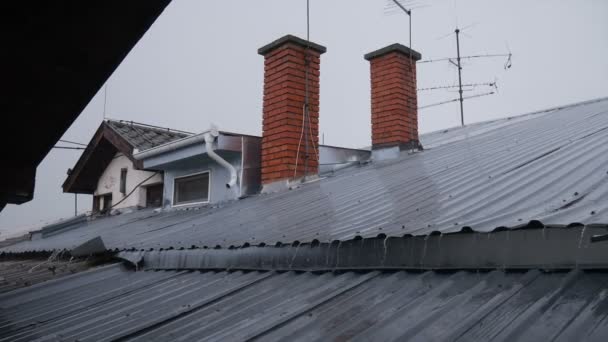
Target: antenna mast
[(105, 99), (409, 14), (306, 118), (457, 31), (458, 65)]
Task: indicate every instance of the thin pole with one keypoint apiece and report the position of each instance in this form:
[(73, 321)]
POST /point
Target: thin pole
[(409, 13), (75, 204), (105, 99), (410, 17), (306, 114), (459, 75), (308, 20)]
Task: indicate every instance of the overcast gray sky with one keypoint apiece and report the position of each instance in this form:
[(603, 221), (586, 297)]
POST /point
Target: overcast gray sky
[(198, 65)]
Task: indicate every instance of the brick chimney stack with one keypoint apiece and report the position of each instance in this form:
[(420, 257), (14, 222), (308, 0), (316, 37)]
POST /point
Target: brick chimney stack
[(283, 139), (394, 99)]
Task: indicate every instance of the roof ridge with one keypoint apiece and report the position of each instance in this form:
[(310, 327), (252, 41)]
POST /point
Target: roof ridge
[(148, 126)]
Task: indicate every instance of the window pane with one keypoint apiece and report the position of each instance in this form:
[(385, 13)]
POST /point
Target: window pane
[(123, 181), (191, 189)]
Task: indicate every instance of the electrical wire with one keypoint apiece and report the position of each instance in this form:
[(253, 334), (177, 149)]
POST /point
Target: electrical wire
[(69, 148), (295, 170), (135, 188), (312, 139), (50, 260), (72, 142), (306, 100)]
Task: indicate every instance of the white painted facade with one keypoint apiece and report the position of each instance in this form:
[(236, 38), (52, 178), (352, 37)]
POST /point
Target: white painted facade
[(109, 182)]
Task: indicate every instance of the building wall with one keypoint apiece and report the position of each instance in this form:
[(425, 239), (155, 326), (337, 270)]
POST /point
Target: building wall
[(218, 176), (109, 182)]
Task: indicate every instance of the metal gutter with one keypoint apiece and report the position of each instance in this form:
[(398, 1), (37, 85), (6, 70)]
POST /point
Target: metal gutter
[(171, 146)]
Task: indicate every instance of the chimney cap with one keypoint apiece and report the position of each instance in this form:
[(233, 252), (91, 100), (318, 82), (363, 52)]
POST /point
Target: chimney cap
[(394, 48), (291, 39)]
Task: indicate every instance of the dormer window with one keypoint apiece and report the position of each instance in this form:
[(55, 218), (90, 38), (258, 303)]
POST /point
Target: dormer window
[(191, 189)]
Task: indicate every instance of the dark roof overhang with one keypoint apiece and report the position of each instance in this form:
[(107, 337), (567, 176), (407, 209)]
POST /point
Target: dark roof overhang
[(56, 56)]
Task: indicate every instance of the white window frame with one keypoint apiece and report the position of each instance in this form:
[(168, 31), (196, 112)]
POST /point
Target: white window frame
[(191, 203)]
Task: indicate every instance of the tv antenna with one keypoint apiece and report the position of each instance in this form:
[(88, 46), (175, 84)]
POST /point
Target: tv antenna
[(457, 62), (405, 7)]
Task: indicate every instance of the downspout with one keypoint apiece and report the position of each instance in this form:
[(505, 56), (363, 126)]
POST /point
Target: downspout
[(209, 138)]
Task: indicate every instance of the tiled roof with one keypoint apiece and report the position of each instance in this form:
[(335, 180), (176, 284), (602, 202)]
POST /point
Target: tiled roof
[(143, 137), (549, 166), (113, 304)]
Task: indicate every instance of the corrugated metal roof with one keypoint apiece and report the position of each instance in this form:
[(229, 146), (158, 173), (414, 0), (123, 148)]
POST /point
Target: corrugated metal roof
[(114, 304), (142, 136), (15, 274), (548, 166)]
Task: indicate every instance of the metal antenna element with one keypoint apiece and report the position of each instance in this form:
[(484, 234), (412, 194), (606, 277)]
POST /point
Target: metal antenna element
[(409, 14), (391, 7), (412, 65), (457, 31), (458, 64), (507, 63), (454, 100), (488, 84)]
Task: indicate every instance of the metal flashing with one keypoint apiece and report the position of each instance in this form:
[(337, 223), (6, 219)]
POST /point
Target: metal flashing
[(394, 48), (291, 39), (539, 248)]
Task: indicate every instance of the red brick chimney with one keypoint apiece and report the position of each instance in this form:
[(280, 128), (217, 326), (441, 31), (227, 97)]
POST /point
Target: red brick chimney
[(394, 99), (288, 142)]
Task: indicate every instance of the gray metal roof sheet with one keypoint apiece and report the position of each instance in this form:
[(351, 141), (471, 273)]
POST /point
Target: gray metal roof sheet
[(15, 274), (113, 304), (549, 166)]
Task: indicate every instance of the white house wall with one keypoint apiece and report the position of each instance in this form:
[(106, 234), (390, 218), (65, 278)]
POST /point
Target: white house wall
[(109, 182)]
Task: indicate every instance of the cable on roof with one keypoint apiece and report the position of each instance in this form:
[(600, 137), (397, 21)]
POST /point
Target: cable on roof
[(135, 188), (50, 260), (69, 148), (72, 142), (305, 107)]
